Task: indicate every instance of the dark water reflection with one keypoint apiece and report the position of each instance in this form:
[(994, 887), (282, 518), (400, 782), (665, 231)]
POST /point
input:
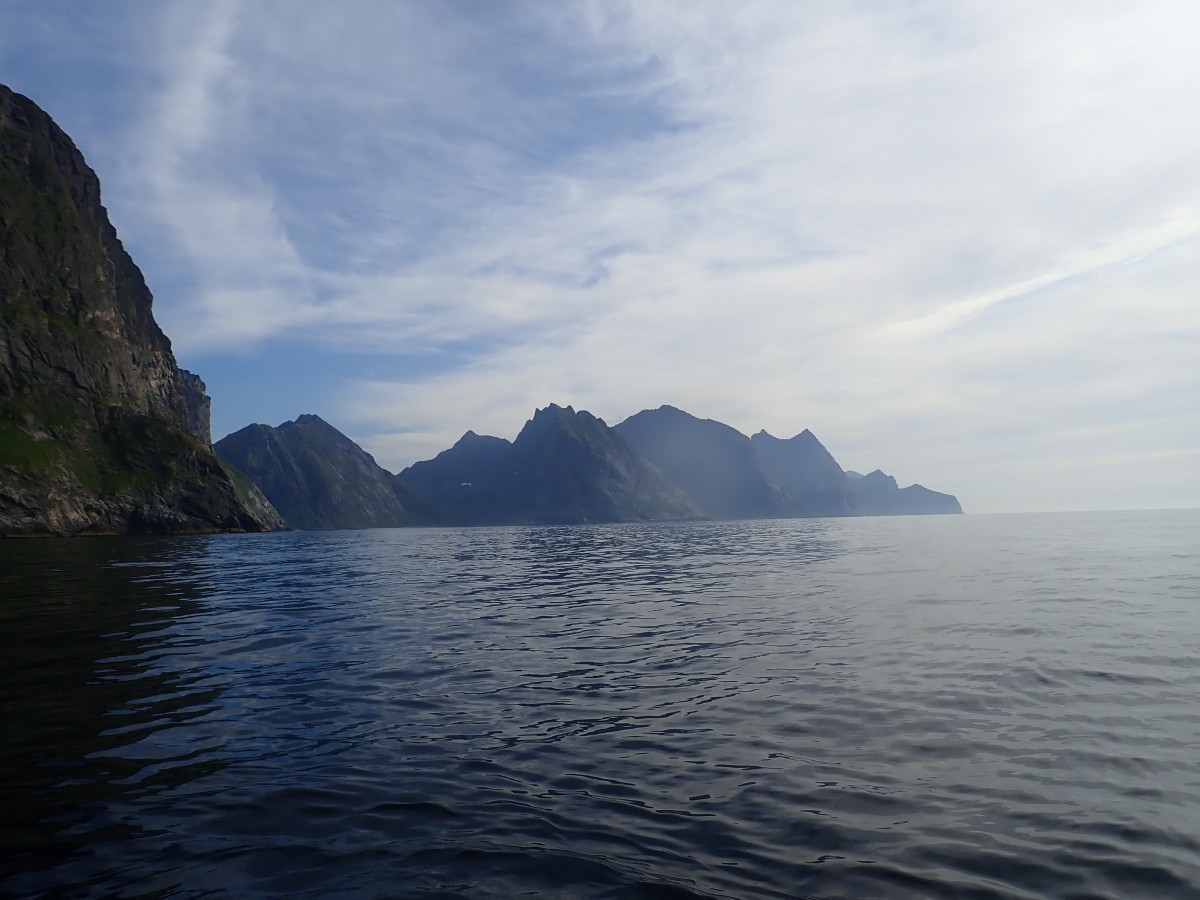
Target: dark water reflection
[(80, 634), (957, 707)]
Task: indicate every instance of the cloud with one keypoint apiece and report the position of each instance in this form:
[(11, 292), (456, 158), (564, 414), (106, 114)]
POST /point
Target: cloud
[(1119, 250), (925, 230)]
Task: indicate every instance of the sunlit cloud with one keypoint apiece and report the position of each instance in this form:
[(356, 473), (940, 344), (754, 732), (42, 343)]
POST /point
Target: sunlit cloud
[(933, 233)]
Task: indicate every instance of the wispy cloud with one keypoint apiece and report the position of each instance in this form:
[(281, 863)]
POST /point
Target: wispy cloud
[(920, 229)]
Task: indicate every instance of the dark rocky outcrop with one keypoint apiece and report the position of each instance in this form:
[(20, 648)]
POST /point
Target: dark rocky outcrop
[(713, 464), (878, 494), (318, 478), (804, 470), (564, 467), (100, 430)]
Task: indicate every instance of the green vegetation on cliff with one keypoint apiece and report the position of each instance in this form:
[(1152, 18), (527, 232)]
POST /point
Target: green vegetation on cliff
[(100, 430)]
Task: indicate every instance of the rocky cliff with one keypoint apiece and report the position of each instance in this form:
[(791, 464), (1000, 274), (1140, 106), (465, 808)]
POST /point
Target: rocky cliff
[(318, 478), (100, 430)]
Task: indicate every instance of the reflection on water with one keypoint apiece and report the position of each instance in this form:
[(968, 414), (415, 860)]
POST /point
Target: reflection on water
[(81, 634), (959, 707)]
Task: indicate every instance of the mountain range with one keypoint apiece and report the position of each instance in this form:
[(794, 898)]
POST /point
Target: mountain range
[(566, 467), (101, 432)]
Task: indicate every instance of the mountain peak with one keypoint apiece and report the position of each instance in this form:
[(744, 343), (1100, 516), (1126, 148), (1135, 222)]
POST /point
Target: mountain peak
[(877, 494), (310, 419), (553, 410), (710, 461), (805, 471), (550, 418), (317, 477)]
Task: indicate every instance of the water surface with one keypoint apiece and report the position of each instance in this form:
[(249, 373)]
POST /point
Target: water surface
[(967, 706)]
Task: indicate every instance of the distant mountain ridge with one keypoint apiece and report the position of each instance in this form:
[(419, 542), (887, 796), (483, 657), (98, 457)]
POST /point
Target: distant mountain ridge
[(877, 494), (102, 432), (565, 467)]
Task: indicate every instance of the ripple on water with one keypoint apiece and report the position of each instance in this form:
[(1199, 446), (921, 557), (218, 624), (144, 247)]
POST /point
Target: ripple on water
[(955, 706)]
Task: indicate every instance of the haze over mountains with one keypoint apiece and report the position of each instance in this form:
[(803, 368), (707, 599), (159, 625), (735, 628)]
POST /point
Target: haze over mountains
[(102, 432), (566, 467)]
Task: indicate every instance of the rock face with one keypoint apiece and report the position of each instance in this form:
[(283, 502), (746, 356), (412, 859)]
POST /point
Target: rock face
[(100, 430), (715, 465), (318, 478), (564, 467), (878, 494), (804, 470)]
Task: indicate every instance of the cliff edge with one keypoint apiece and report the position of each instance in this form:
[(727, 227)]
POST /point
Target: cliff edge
[(100, 430)]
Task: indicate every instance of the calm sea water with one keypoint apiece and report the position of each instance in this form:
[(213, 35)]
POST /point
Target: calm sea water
[(969, 706)]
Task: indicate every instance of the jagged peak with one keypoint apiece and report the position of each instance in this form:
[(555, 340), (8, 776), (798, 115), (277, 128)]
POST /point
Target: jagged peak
[(554, 410), (880, 476), (804, 437), (310, 419), (547, 418), (312, 423)]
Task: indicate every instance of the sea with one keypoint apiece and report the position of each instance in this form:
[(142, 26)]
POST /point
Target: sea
[(979, 706)]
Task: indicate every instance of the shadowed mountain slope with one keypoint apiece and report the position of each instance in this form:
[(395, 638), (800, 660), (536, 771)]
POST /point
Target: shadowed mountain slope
[(565, 466), (804, 470), (318, 478), (714, 464)]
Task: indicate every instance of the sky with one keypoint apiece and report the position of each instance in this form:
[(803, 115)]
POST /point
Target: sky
[(958, 240)]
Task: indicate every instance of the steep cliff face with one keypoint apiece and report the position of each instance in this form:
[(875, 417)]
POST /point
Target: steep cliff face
[(100, 430), (319, 478)]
